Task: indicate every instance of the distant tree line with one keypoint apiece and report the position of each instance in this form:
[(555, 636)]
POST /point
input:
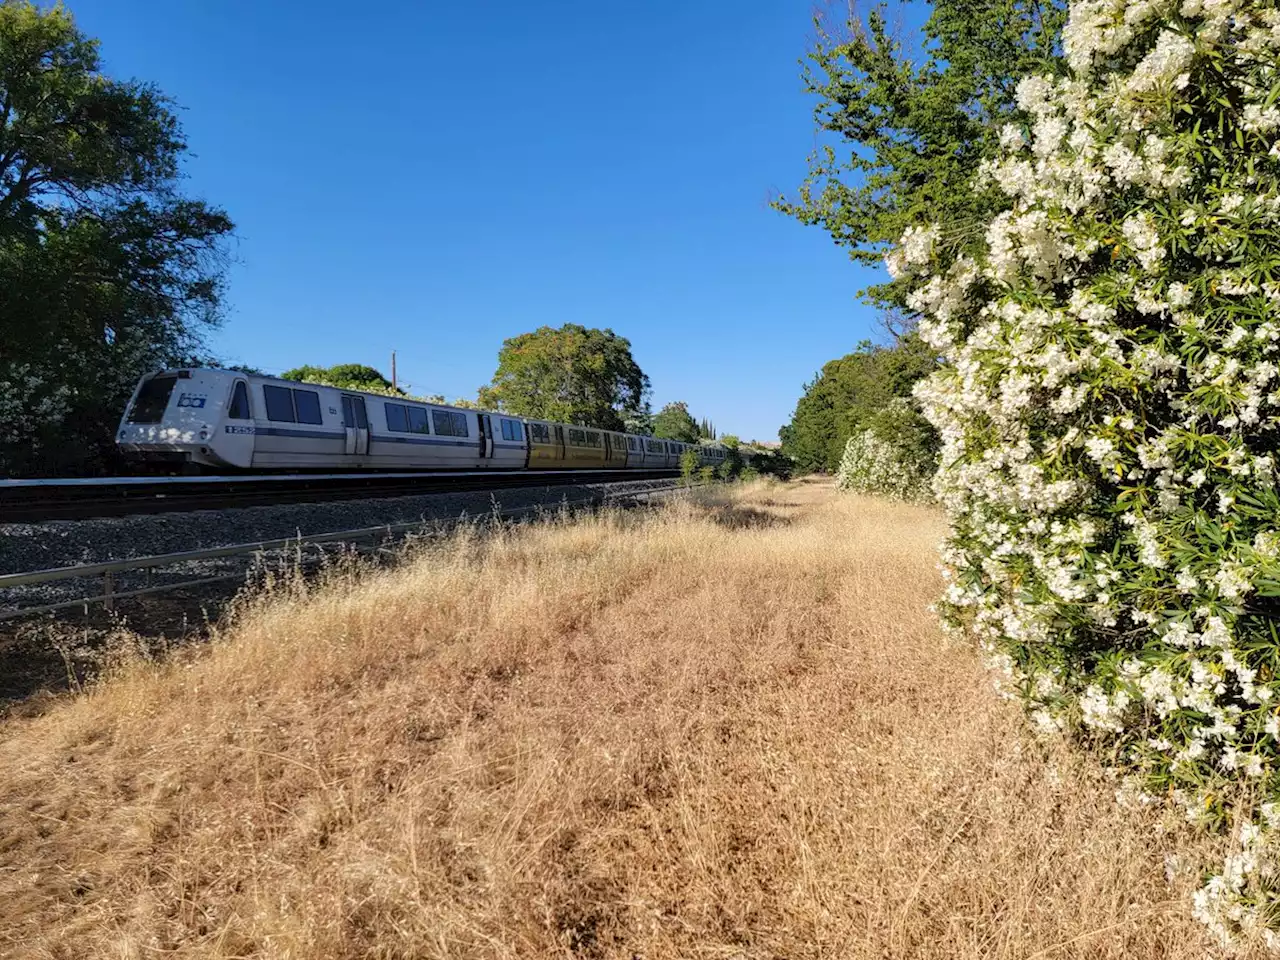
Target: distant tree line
[(868, 389)]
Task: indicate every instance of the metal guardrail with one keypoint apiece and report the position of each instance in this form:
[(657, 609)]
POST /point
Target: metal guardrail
[(108, 570)]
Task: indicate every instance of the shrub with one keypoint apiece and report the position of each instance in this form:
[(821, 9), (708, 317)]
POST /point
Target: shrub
[(871, 465), (895, 458), (1108, 413), (688, 465)]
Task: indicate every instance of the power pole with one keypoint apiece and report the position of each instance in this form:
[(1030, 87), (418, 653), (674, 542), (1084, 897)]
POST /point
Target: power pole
[(393, 370)]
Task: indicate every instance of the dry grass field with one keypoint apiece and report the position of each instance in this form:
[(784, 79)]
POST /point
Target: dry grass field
[(729, 729)]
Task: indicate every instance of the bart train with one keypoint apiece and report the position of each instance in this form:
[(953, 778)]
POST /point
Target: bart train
[(207, 420)]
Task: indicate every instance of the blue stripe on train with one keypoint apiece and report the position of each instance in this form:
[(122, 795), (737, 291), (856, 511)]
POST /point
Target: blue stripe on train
[(379, 438), (303, 434)]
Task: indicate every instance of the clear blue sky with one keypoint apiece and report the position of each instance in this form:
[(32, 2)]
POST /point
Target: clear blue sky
[(434, 177)]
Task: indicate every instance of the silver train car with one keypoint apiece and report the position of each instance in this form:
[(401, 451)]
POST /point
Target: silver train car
[(207, 420)]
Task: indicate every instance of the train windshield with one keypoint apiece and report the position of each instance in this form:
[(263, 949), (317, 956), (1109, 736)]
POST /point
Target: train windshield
[(152, 400)]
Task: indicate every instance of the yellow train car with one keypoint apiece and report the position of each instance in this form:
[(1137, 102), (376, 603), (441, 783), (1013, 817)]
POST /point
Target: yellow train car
[(546, 445), (615, 450), (584, 447), (558, 446)]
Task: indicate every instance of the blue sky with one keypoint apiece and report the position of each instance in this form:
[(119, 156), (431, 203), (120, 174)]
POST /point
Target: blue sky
[(434, 177)]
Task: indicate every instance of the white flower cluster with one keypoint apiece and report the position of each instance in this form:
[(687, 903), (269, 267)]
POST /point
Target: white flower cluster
[(875, 466), (1109, 406)]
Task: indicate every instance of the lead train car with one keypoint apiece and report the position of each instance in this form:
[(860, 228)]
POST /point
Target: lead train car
[(215, 420)]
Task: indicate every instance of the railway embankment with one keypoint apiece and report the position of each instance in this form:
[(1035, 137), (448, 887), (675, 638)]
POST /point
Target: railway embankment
[(729, 727), (57, 543)]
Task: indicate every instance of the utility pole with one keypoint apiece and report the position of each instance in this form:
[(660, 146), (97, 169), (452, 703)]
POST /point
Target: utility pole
[(393, 370)]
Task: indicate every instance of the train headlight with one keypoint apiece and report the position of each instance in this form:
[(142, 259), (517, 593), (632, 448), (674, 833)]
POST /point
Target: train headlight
[(204, 433)]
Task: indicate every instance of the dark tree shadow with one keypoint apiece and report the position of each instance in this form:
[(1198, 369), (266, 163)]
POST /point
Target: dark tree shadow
[(733, 517)]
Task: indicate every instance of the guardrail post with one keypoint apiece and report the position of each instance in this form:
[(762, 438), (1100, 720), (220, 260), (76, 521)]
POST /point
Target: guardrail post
[(108, 586)]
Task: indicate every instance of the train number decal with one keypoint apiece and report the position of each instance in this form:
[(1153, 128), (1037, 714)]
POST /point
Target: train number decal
[(240, 430), (191, 400)]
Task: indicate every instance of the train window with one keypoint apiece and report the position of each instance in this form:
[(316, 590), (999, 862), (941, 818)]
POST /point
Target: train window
[(449, 424), (152, 400), (279, 403), (539, 433), (239, 402), (577, 437), (418, 420), (593, 439), (307, 403), (397, 417), (511, 430)]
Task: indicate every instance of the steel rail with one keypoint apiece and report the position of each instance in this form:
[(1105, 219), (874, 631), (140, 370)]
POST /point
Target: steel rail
[(108, 569)]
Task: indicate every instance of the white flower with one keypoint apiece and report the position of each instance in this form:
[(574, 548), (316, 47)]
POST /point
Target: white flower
[(1142, 236)]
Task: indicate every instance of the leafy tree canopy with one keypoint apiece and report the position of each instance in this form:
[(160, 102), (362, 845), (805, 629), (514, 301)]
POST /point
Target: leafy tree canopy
[(348, 376), (674, 422), (106, 271), (639, 421), (731, 441), (905, 127), (570, 374)]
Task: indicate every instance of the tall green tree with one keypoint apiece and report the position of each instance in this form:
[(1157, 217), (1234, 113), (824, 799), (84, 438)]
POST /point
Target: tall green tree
[(855, 393), (674, 422), (904, 125), (570, 374), (106, 270)]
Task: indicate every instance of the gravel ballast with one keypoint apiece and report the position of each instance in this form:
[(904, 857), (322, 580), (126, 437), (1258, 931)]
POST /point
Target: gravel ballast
[(62, 543)]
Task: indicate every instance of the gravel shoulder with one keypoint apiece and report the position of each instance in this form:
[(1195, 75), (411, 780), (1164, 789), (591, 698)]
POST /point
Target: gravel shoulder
[(65, 543), (62, 543)]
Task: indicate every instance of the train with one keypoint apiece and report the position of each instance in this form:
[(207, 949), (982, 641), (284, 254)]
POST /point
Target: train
[(206, 420)]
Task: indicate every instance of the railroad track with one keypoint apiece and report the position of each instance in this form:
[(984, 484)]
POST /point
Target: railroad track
[(132, 577), (31, 501)]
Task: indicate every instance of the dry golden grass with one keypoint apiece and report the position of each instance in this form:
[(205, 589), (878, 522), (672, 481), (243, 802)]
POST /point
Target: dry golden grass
[(724, 731)]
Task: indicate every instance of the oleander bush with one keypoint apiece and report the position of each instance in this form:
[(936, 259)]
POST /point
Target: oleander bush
[(1108, 412), (893, 463)]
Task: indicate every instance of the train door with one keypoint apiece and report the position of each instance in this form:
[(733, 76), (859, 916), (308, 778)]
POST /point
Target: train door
[(560, 443), (486, 436), (356, 421), (235, 444)]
